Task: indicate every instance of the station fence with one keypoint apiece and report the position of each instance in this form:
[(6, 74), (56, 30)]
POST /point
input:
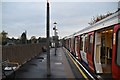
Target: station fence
[(21, 53)]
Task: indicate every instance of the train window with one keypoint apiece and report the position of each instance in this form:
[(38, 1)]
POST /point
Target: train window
[(118, 48), (91, 39), (90, 43)]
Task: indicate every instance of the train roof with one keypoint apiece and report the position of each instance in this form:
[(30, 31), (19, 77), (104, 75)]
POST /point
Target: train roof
[(106, 22)]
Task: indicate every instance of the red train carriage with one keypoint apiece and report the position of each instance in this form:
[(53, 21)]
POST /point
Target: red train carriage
[(116, 52), (99, 46)]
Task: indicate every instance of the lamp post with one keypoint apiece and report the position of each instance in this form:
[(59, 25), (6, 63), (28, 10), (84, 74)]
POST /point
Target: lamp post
[(55, 36), (55, 33)]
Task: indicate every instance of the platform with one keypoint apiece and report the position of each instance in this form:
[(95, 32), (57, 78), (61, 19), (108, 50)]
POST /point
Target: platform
[(61, 67)]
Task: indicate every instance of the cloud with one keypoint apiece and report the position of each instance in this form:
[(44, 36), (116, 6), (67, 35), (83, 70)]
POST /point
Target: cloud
[(0, 16), (75, 16), (31, 16), (20, 16), (60, 0)]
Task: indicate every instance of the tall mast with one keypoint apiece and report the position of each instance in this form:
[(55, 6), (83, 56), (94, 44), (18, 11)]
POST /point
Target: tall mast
[(48, 38), (48, 20)]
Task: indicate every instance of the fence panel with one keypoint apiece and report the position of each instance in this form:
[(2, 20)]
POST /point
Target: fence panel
[(21, 53)]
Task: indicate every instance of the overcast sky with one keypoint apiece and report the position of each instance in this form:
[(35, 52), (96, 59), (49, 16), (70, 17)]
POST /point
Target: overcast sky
[(31, 16)]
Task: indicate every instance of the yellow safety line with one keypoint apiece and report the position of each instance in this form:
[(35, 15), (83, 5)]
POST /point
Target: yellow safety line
[(78, 67)]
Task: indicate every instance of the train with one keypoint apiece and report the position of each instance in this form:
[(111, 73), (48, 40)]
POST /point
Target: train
[(98, 45)]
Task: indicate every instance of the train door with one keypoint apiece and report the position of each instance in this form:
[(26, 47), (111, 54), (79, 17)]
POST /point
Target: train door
[(80, 47), (81, 43), (90, 51), (70, 44), (67, 43), (73, 46), (83, 48), (77, 47), (103, 50), (106, 50), (116, 53), (97, 52)]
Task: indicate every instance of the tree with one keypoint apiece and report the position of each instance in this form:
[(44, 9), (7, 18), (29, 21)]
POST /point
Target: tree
[(23, 38), (42, 40), (99, 17), (4, 37), (33, 40), (0, 39), (39, 39)]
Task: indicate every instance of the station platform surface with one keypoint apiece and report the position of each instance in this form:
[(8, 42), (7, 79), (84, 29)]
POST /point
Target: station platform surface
[(61, 67)]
